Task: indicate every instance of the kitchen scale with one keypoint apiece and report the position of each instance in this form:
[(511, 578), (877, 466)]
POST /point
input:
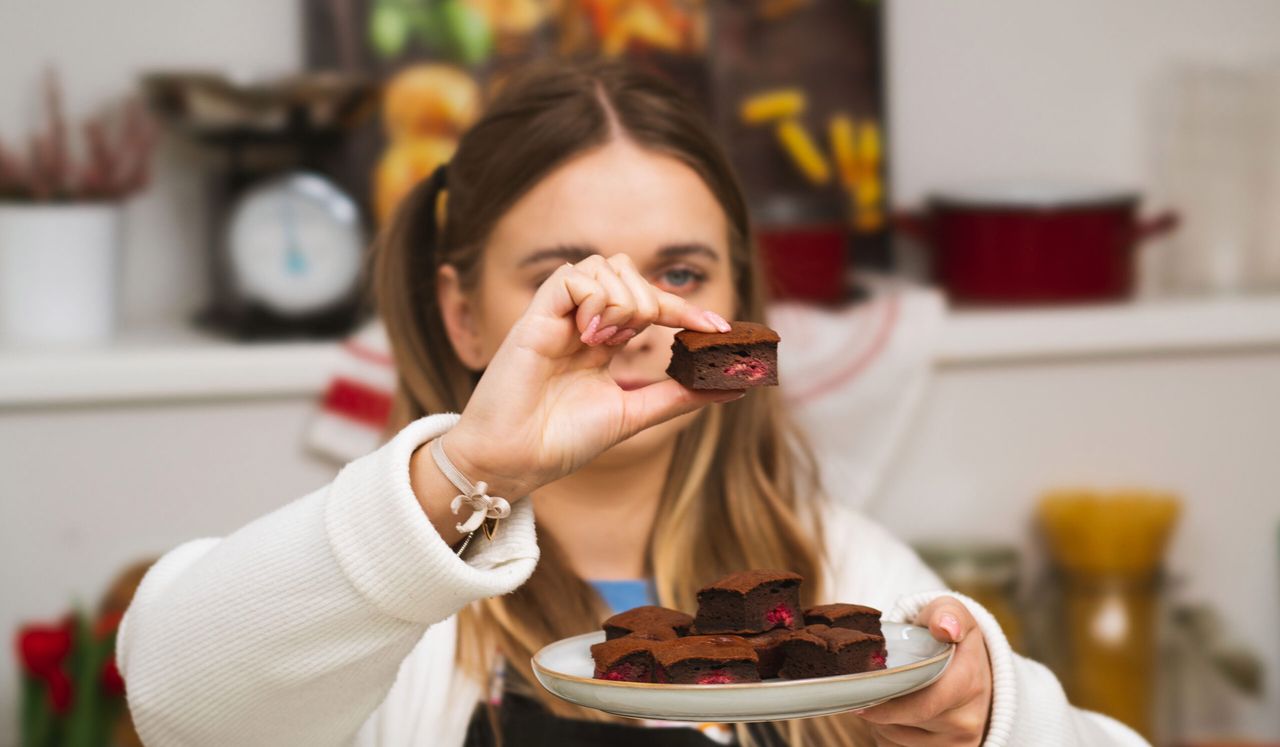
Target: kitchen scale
[(289, 260), (286, 241)]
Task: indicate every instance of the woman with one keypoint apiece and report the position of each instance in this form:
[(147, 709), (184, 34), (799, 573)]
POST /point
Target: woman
[(586, 217)]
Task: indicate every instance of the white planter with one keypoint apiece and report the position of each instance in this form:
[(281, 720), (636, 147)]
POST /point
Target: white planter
[(58, 274)]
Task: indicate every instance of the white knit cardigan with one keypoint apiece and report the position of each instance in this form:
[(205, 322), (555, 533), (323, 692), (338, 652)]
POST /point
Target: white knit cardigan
[(331, 621)]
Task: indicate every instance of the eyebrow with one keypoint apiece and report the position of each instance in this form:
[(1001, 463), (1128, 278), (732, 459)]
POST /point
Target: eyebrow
[(578, 252)]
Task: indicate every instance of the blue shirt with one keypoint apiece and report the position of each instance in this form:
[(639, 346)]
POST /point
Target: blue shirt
[(624, 594)]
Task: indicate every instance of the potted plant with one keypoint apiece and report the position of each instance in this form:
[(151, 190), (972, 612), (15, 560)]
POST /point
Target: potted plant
[(60, 222)]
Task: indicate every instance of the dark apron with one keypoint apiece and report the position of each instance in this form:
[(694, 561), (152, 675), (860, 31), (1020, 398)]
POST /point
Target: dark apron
[(523, 722)]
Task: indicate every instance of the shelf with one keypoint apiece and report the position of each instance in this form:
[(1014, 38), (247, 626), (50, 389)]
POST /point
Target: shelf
[(171, 364), (1120, 330), (165, 364)]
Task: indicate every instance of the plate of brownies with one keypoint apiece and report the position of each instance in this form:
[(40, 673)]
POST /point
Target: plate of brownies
[(750, 653)]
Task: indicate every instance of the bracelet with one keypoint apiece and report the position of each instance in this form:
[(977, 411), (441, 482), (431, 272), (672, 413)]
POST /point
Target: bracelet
[(483, 506)]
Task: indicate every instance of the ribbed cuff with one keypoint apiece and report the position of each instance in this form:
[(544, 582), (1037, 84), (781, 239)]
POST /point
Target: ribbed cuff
[(1004, 697), (386, 546)]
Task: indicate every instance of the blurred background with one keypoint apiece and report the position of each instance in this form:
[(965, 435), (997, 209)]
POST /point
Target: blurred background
[(1033, 248)]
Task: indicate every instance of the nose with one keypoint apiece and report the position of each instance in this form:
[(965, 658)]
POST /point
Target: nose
[(650, 349), (642, 342)]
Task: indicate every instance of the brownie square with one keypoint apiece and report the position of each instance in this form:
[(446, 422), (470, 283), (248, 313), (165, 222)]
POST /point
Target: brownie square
[(855, 651), (805, 655), (769, 650), (749, 602), (820, 651), (851, 616), (624, 660), (705, 660), (650, 621), (744, 357)]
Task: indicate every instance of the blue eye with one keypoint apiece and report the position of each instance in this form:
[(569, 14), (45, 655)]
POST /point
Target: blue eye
[(682, 278)]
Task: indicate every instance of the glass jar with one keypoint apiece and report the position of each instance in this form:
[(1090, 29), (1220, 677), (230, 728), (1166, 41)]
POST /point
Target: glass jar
[(1109, 641), (985, 572)]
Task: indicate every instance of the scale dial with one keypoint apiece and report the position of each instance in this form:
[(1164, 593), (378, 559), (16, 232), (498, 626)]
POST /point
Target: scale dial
[(294, 245)]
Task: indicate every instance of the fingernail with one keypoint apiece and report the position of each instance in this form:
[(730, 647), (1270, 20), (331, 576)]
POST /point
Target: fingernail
[(591, 329), (949, 623), (621, 337), (737, 396), (603, 335), (717, 321)]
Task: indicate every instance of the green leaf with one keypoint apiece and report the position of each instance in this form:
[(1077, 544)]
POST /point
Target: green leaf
[(36, 713), (85, 698), (429, 26), (388, 30), (469, 32)]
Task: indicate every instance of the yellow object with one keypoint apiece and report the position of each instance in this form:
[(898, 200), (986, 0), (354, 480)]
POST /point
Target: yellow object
[(1120, 532), (804, 152), (643, 23), (1109, 549), (868, 220), (857, 150), (403, 165), (870, 149), (870, 195), (766, 107), (429, 100), (844, 149), (515, 17)]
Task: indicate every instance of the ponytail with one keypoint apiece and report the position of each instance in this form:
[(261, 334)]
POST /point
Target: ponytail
[(406, 262)]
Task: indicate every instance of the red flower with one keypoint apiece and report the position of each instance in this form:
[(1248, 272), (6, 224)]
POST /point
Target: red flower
[(107, 624), (59, 689), (112, 682), (41, 648)]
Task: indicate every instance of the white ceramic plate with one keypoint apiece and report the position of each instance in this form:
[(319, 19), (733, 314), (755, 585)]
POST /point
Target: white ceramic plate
[(915, 659)]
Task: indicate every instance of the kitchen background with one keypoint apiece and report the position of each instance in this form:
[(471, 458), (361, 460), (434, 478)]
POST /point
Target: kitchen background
[(1018, 435)]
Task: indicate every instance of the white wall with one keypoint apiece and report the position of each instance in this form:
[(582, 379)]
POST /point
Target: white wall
[(992, 89)]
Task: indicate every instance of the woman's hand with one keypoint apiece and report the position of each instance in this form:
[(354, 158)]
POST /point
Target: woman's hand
[(954, 709), (546, 404)]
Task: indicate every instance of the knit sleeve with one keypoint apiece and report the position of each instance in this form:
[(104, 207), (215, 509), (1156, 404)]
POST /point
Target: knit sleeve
[(291, 630)]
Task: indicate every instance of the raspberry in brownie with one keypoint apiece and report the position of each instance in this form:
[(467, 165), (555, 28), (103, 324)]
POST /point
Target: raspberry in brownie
[(744, 357)]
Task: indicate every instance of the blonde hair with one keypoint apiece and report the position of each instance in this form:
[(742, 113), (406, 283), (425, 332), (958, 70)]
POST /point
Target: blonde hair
[(739, 490)]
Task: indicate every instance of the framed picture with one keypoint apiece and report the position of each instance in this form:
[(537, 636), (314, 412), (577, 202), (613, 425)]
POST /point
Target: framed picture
[(795, 88)]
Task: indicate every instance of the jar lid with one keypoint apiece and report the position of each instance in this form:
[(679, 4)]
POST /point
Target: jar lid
[(971, 561), (798, 209), (1033, 195)]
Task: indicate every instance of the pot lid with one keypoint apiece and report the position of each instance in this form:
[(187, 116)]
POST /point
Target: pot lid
[(1034, 195), (795, 209)]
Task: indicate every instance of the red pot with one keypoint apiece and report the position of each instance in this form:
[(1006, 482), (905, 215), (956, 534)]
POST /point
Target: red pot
[(1034, 245), (806, 263), (804, 244)]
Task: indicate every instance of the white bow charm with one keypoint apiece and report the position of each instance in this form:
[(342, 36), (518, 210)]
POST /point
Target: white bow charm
[(482, 506)]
